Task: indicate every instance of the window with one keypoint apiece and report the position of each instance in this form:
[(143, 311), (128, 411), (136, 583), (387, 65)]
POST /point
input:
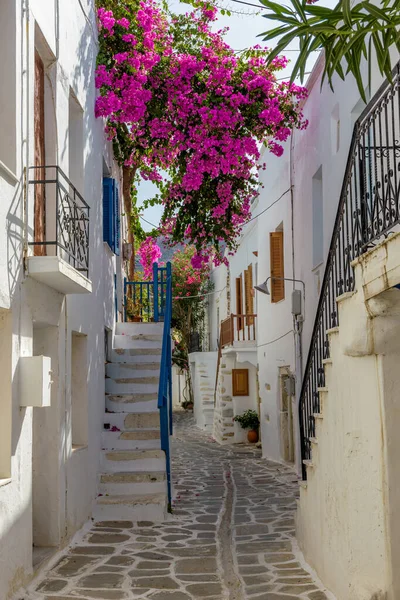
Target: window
[(277, 266), (239, 301), (248, 297), (335, 130), (79, 390), (111, 214), (8, 87), (5, 392), (317, 219), (75, 144)]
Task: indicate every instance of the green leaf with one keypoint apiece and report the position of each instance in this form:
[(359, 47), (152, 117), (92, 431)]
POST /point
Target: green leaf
[(346, 4), (277, 8)]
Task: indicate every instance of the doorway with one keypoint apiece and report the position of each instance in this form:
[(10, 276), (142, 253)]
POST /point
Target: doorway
[(286, 414), (40, 158), (45, 456)]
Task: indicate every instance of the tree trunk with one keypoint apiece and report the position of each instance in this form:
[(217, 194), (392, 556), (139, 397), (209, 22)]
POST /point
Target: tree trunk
[(128, 177)]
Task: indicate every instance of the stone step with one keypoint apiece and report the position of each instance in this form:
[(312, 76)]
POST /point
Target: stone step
[(131, 507), (132, 371), (153, 482), (133, 460), (139, 403), (141, 439), (127, 342), (139, 328), (128, 387), (126, 421), (135, 356)]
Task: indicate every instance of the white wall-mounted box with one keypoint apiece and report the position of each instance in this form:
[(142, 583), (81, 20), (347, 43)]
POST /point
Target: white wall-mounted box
[(35, 380)]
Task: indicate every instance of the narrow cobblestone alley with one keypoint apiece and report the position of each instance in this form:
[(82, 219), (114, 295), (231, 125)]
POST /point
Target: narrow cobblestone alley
[(230, 537)]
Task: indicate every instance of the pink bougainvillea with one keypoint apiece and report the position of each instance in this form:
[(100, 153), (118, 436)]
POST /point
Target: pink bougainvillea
[(149, 253), (187, 112)]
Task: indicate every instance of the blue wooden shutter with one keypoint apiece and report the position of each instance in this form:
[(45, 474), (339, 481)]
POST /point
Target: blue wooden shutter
[(108, 212), (117, 221)]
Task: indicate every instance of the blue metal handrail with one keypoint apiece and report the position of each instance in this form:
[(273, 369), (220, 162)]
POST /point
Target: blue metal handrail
[(165, 385), (148, 299)]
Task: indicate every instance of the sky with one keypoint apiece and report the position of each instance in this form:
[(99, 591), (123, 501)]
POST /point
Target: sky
[(244, 29)]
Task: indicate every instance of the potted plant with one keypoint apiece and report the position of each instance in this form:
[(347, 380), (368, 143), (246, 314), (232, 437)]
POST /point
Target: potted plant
[(249, 420)]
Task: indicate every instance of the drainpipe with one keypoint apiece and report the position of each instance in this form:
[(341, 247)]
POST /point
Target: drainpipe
[(298, 327)]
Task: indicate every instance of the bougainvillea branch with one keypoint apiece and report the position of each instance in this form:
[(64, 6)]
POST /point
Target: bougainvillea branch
[(189, 114)]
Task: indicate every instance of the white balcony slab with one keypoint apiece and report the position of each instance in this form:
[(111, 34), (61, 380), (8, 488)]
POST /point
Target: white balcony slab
[(58, 274)]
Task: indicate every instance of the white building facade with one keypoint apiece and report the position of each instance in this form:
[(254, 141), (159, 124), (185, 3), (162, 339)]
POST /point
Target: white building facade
[(60, 282)]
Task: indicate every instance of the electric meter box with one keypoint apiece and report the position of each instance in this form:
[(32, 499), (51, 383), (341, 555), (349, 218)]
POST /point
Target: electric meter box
[(35, 380)]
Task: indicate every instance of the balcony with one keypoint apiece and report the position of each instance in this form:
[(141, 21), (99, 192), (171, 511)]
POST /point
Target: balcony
[(60, 246), (238, 331)]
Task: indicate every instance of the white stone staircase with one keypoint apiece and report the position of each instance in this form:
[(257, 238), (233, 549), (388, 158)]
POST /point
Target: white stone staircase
[(132, 482), (203, 368)]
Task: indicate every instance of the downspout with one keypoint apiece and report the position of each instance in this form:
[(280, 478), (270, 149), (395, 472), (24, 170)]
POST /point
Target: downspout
[(298, 327)]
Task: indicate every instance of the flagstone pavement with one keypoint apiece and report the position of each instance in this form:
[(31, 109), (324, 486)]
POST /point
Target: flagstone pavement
[(230, 536)]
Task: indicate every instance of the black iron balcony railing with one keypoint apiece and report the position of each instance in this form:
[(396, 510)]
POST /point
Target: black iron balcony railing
[(61, 218), (369, 209)]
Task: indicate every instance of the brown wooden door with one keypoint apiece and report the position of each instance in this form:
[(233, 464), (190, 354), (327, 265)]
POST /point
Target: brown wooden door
[(239, 302), (277, 268), (40, 158)]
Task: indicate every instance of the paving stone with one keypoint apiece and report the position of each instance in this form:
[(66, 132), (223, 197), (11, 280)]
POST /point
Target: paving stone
[(169, 596), (92, 550), (151, 564), (73, 565), (318, 596), (297, 589), (99, 580), (120, 524), (203, 590), (108, 538), (198, 577), (52, 585), (206, 565), (158, 583), (122, 561), (105, 594)]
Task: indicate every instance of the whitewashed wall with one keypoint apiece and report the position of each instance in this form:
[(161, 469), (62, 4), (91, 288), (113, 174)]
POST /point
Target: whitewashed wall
[(41, 317)]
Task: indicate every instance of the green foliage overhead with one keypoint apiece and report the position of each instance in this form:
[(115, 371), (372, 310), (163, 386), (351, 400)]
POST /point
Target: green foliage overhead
[(347, 33)]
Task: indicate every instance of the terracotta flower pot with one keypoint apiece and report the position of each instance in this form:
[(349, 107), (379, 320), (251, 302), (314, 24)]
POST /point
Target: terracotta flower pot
[(252, 436)]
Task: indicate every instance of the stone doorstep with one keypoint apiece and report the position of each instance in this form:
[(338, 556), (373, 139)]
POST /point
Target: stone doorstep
[(142, 420), (121, 455), (137, 351), (150, 366), (143, 434), (132, 398), (129, 477), (132, 499), (149, 380)]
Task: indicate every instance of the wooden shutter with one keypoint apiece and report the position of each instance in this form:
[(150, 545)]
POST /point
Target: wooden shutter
[(108, 212), (40, 158), (239, 302), (117, 220), (250, 301), (240, 382), (277, 270)]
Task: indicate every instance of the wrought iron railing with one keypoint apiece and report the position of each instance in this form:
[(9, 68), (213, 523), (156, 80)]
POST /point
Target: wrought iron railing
[(238, 328), (369, 209), (145, 301), (65, 216), (165, 384)]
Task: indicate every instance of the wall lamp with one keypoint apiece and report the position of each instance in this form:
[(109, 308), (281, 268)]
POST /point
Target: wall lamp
[(296, 294)]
